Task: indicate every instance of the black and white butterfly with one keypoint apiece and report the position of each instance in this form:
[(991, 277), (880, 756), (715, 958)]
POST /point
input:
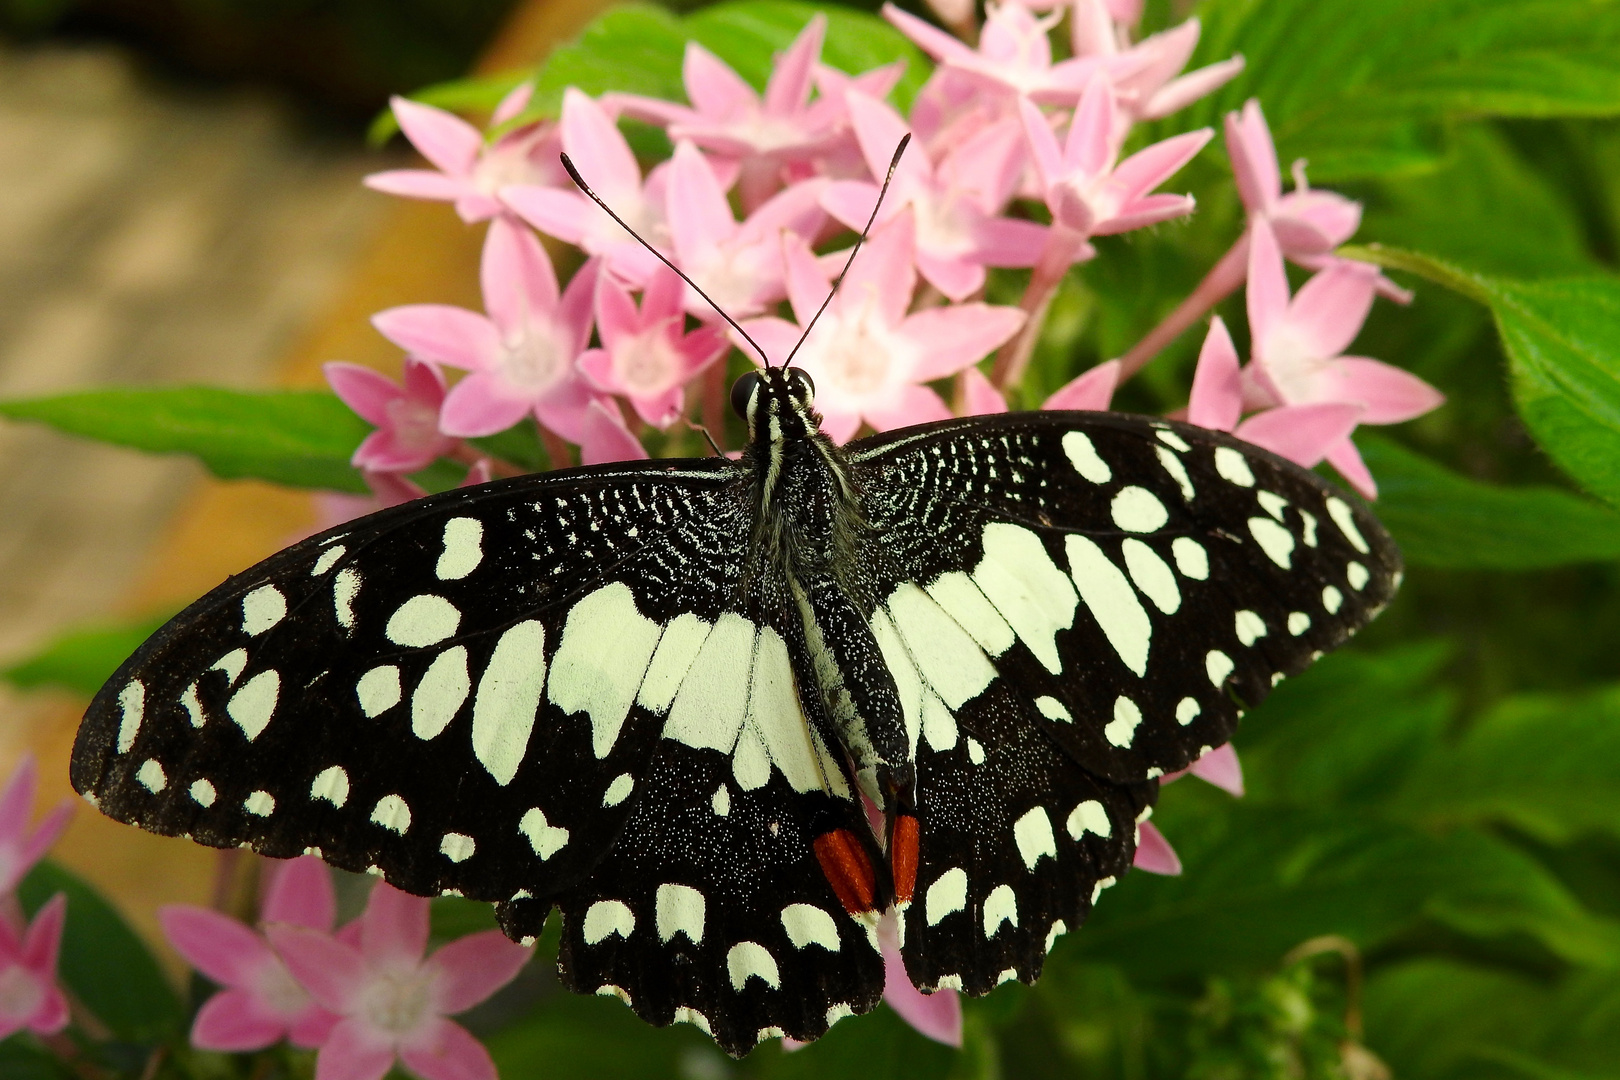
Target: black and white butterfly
[(650, 694)]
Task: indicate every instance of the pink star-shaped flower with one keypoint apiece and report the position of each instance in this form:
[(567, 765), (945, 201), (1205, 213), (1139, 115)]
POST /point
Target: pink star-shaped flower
[(1014, 54), (1299, 342), (599, 151), (867, 355), (261, 1003), (1090, 391), (20, 846), (953, 205), (1087, 188), (521, 354), (29, 996), (395, 1004), (406, 416), (468, 171), (646, 355), (1147, 75), (738, 264)]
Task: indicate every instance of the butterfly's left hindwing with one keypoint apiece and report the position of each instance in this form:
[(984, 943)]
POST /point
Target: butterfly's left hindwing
[(1075, 604)]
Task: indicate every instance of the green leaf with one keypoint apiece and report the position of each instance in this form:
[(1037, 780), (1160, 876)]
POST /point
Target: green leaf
[(1544, 763), (1362, 98), (1446, 520), (104, 962), (596, 1038), (877, 1044), (301, 438), (635, 49), (475, 94), (80, 659), (23, 1060)]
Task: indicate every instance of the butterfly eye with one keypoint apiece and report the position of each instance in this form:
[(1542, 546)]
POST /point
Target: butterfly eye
[(804, 387), (742, 392)]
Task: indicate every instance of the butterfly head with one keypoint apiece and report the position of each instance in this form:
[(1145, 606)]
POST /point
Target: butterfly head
[(777, 403)]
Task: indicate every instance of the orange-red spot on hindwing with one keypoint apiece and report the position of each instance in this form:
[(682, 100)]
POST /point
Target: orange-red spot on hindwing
[(847, 868), (903, 857)]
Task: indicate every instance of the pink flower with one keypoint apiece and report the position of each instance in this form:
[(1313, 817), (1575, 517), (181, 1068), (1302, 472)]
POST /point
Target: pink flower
[(1091, 390), (469, 172), (29, 997), (596, 147), (937, 1015), (521, 355), (20, 846), (393, 1003), (954, 204), (1219, 766), (867, 355), (261, 1003), (406, 417), (1147, 75), (1087, 188), (606, 438), (1298, 345), (1154, 853), (1014, 55), (738, 265), (646, 355)]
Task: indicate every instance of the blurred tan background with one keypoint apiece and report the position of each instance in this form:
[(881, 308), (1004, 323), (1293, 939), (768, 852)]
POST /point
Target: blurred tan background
[(155, 230)]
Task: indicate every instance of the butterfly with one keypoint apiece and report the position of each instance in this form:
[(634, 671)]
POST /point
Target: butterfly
[(659, 696)]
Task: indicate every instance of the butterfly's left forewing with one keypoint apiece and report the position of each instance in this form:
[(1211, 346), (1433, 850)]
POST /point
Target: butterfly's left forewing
[(1075, 604)]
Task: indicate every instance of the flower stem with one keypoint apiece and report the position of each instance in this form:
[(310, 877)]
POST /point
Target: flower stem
[(1222, 280), (498, 467), (1063, 248), (557, 448)]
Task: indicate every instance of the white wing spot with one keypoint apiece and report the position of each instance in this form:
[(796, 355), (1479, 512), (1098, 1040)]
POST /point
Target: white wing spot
[(546, 839), (194, 710), (1177, 471), (1191, 558), (1102, 883), (1232, 466), (1090, 817), (378, 690), (751, 960), (1052, 709), (1250, 627), (331, 784), (946, 896), (619, 790), (231, 664), (975, 751), (1340, 512), (1170, 438), (1356, 575), (203, 793), (947, 658), (1272, 503), (1138, 510), (151, 777), (961, 599), (1032, 594), (679, 910), (463, 549), (345, 587), (677, 648), (260, 804), (457, 847), (1001, 906), (721, 802), (1310, 528), (441, 693), (1332, 599), (1152, 576), (1057, 930), (1217, 665), (606, 917), (261, 609), (1274, 539), (712, 701), (607, 646), (132, 709), (1112, 602), (422, 621), (806, 925), (1121, 730), (255, 703), (1033, 834), (1187, 710), (328, 559), (392, 813), (508, 698), (1298, 622), (1083, 456)]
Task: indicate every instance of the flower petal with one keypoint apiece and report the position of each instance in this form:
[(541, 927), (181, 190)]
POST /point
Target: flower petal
[(472, 968), (418, 184), (1221, 767), (367, 392), (232, 1022), (1153, 165), (598, 150), (333, 972), (912, 405), (215, 944), (1154, 853), (43, 940), (1217, 389), (716, 90), (1302, 433), (789, 85), (353, 1052), (1091, 390), (1043, 145), (1267, 294), (937, 1015), (1329, 309), (512, 105), (394, 928), (17, 801), (603, 437), (520, 286), (444, 1050), (1390, 394), (1347, 459), (439, 332), (446, 140), (950, 338), (979, 395), (300, 892)]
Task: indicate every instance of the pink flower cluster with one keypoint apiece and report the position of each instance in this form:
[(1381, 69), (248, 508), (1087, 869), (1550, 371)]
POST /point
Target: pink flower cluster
[(29, 996), (364, 994)]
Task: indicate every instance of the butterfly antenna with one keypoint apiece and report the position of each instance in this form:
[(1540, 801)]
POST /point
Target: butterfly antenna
[(579, 181), (894, 163)]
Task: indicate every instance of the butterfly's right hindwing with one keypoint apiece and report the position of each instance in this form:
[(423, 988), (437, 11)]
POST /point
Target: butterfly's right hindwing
[(461, 693)]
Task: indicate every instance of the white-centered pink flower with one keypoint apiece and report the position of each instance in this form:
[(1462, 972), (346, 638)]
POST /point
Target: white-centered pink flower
[(867, 355), (470, 172), (393, 1002), (29, 996), (260, 1003), (954, 204), (20, 846), (406, 414), (599, 151), (1014, 54), (520, 356), (1087, 188), (739, 264), (1299, 342), (646, 355)]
